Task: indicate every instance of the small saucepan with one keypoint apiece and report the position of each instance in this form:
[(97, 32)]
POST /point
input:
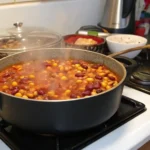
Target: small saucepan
[(62, 116)]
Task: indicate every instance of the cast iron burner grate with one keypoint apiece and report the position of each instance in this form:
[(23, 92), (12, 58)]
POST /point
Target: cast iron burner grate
[(18, 139), (140, 79)]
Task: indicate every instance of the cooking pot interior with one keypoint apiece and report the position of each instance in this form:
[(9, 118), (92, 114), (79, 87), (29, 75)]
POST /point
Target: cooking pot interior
[(65, 53)]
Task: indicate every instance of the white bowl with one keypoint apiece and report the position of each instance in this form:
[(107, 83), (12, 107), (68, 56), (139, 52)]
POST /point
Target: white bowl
[(119, 42)]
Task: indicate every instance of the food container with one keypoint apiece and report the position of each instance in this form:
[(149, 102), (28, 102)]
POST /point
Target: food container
[(21, 39), (94, 43), (120, 42)]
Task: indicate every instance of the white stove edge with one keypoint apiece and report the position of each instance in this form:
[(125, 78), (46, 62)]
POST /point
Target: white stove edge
[(133, 134), (130, 136)]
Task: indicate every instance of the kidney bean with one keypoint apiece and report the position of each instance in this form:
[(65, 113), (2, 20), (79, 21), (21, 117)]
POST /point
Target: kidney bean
[(21, 86), (2, 80), (41, 91), (98, 77), (14, 90), (112, 78), (96, 85), (98, 91), (46, 64), (73, 95), (6, 74), (79, 74), (89, 87), (24, 80), (84, 66), (75, 62), (96, 66), (86, 93)]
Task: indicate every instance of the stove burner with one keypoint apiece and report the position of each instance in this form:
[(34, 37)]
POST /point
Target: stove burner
[(138, 81), (142, 75)]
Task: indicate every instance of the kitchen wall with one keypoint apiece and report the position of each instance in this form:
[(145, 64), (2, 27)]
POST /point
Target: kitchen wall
[(13, 1), (63, 16)]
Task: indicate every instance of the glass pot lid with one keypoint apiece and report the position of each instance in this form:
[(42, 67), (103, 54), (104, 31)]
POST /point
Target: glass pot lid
[(22, 38)]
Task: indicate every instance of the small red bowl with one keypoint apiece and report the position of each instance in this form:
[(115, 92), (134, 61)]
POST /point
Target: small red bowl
[(70, 40)]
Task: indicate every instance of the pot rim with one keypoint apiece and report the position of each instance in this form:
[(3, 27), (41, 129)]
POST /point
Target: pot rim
[(75, 99)]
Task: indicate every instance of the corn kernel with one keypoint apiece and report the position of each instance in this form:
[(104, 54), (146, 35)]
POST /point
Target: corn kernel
[(107, 71), (64, 78), (25, 96), (105, 78), (48, 68), (35, 93), (67, 68), (99, 70), (32, 89), (14, 83), (110, 75), (79, 81), (78, 71), (104, 84), (31, 84), (22, 77), (5, 87), (80, 68), (18, 94), (55, 96), (61, 68), (55, 64), (39, 98), (21, 91), (30, 95), (93, 93), (102, 74), (110, 82), (115, 83), (18, 67), (90, 79), (67, 92), (77, 65), (31, 76), (51, 93), (81, 88), (108, 87)]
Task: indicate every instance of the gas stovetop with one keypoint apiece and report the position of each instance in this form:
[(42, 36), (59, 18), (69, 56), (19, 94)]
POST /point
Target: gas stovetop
[(140, 79), (18, 139)]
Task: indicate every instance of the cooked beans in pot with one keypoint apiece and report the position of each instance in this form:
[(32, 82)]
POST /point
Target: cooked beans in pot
[(56, 79)]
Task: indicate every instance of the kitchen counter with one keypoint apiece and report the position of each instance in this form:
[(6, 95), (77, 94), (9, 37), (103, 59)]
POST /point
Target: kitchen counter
[(129, 136)]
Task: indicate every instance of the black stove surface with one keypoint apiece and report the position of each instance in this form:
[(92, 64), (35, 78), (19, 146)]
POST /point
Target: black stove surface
[(18, 139)]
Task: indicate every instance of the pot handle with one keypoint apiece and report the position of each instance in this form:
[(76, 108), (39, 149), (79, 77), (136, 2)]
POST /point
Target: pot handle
[(130, 64), (128, 61), (129, 50)]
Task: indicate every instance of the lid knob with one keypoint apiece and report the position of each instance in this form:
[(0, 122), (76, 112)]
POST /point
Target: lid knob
[(18, 24)]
